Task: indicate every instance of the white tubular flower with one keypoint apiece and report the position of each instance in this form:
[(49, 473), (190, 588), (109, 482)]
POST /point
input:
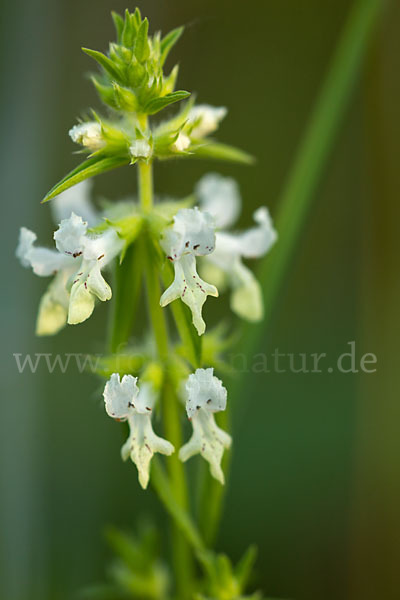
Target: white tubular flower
[(75, 200), (53, 306), (124, 402), (140, 149), (191, 235), (206, 395), (93, 253), (44, 262), (220, 197), (88, 135), (205, 119), (76, 264), (182, 142)]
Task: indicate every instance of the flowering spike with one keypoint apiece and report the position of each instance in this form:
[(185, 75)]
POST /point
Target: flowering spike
[(76, 264)]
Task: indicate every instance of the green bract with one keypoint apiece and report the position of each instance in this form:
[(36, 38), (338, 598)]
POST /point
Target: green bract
[(133, 86)]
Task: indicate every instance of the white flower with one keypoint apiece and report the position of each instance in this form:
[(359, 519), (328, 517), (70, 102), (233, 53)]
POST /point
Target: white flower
[(205, 119), (191, 235), (75, 199), (88, 135), (140, 149), (206, 395), (76, 264), (220, 197), (124, 402), (182, 142)]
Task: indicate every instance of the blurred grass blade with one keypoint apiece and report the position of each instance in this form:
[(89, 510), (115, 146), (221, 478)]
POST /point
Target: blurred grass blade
[(217, 151), (309, 163), (314, 150)]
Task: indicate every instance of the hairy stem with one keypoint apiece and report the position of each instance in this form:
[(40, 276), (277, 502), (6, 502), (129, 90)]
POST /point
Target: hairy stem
[(182, 557)]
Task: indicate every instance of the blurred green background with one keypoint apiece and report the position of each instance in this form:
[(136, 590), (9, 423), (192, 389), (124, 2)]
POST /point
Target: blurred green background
[(315, 479)]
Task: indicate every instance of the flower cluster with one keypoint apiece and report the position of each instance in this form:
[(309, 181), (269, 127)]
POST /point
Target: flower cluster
[(79, 257), (124, 401), (194, 233), (75, 265)]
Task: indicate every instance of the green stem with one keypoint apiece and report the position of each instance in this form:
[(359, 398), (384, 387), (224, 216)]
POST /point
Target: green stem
[(163, 488), (307, 169), (145, 171), (182, 558)]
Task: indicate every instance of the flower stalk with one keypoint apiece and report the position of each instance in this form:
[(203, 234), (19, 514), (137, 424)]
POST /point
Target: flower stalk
[(183, 253)]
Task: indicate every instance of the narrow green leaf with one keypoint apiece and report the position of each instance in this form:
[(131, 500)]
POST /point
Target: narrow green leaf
[(128, 282), (105, 62), (157, 104), (90, 168), (142, 48), (119, 25), (169, 41), (217, 151), (245, 566)]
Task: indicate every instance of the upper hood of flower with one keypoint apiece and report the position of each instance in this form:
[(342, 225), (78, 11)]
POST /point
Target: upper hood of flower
[(219, 196)]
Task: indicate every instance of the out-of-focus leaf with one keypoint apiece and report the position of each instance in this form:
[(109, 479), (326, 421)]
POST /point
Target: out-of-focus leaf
[(108, 65), (169, 41), (119, 25), (243, 569), (103, 592), (124, 364), (126, 292), (217, 151)]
